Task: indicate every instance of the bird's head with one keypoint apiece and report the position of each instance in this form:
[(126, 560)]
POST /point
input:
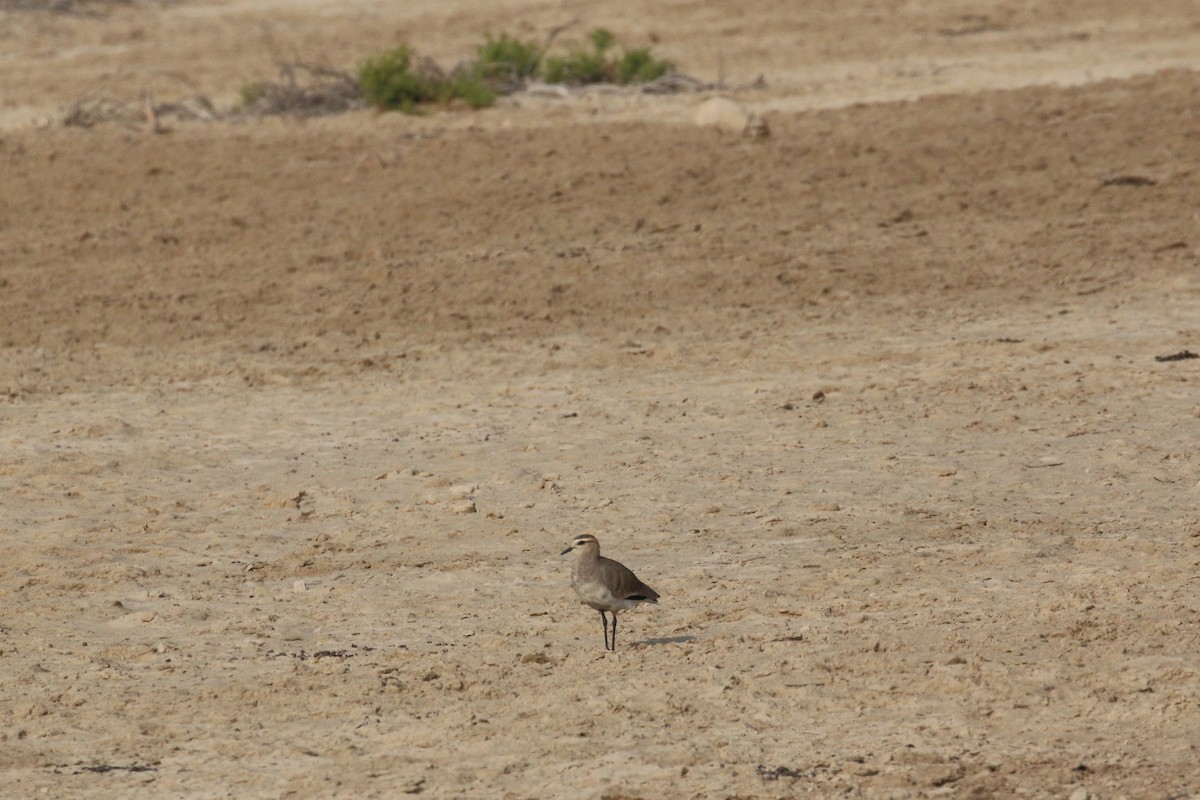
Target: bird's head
[(582, 542)]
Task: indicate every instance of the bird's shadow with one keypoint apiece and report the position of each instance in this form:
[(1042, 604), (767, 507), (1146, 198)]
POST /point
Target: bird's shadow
[(668, 640)]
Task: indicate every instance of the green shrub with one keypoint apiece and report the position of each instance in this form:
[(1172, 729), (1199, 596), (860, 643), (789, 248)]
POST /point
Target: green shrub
[(578, 67), (638, 66), (392, 80), (388, 82), (250, 94), (602, 39), (508, 58), (466, 85), (582, 66)]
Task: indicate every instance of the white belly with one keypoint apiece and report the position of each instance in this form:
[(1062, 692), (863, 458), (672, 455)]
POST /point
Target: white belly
[(598, 596)]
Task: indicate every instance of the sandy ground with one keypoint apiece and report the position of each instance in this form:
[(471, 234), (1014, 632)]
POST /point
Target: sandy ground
[(298, 415)]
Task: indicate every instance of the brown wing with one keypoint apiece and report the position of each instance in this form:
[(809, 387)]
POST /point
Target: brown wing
[(625, 584)]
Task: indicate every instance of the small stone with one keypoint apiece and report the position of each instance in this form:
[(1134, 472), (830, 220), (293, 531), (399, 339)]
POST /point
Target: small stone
[(466, 506), (1080, 793), (729, 115), (132, 620), (291, 632)]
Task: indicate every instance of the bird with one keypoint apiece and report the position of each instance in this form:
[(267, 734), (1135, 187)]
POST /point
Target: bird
[(604, 584)]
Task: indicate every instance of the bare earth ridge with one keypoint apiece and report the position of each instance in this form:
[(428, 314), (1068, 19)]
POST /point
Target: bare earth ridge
[(298, 414)]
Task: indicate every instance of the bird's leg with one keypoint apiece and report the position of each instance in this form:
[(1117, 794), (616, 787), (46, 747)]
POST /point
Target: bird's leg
[(614, 636), (604, 624)]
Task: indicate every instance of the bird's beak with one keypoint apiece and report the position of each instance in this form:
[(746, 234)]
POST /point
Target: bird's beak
[(569, 549)]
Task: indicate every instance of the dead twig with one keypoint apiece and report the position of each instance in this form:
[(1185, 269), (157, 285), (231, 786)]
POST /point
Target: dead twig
[(304, 90), (93, 9)]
